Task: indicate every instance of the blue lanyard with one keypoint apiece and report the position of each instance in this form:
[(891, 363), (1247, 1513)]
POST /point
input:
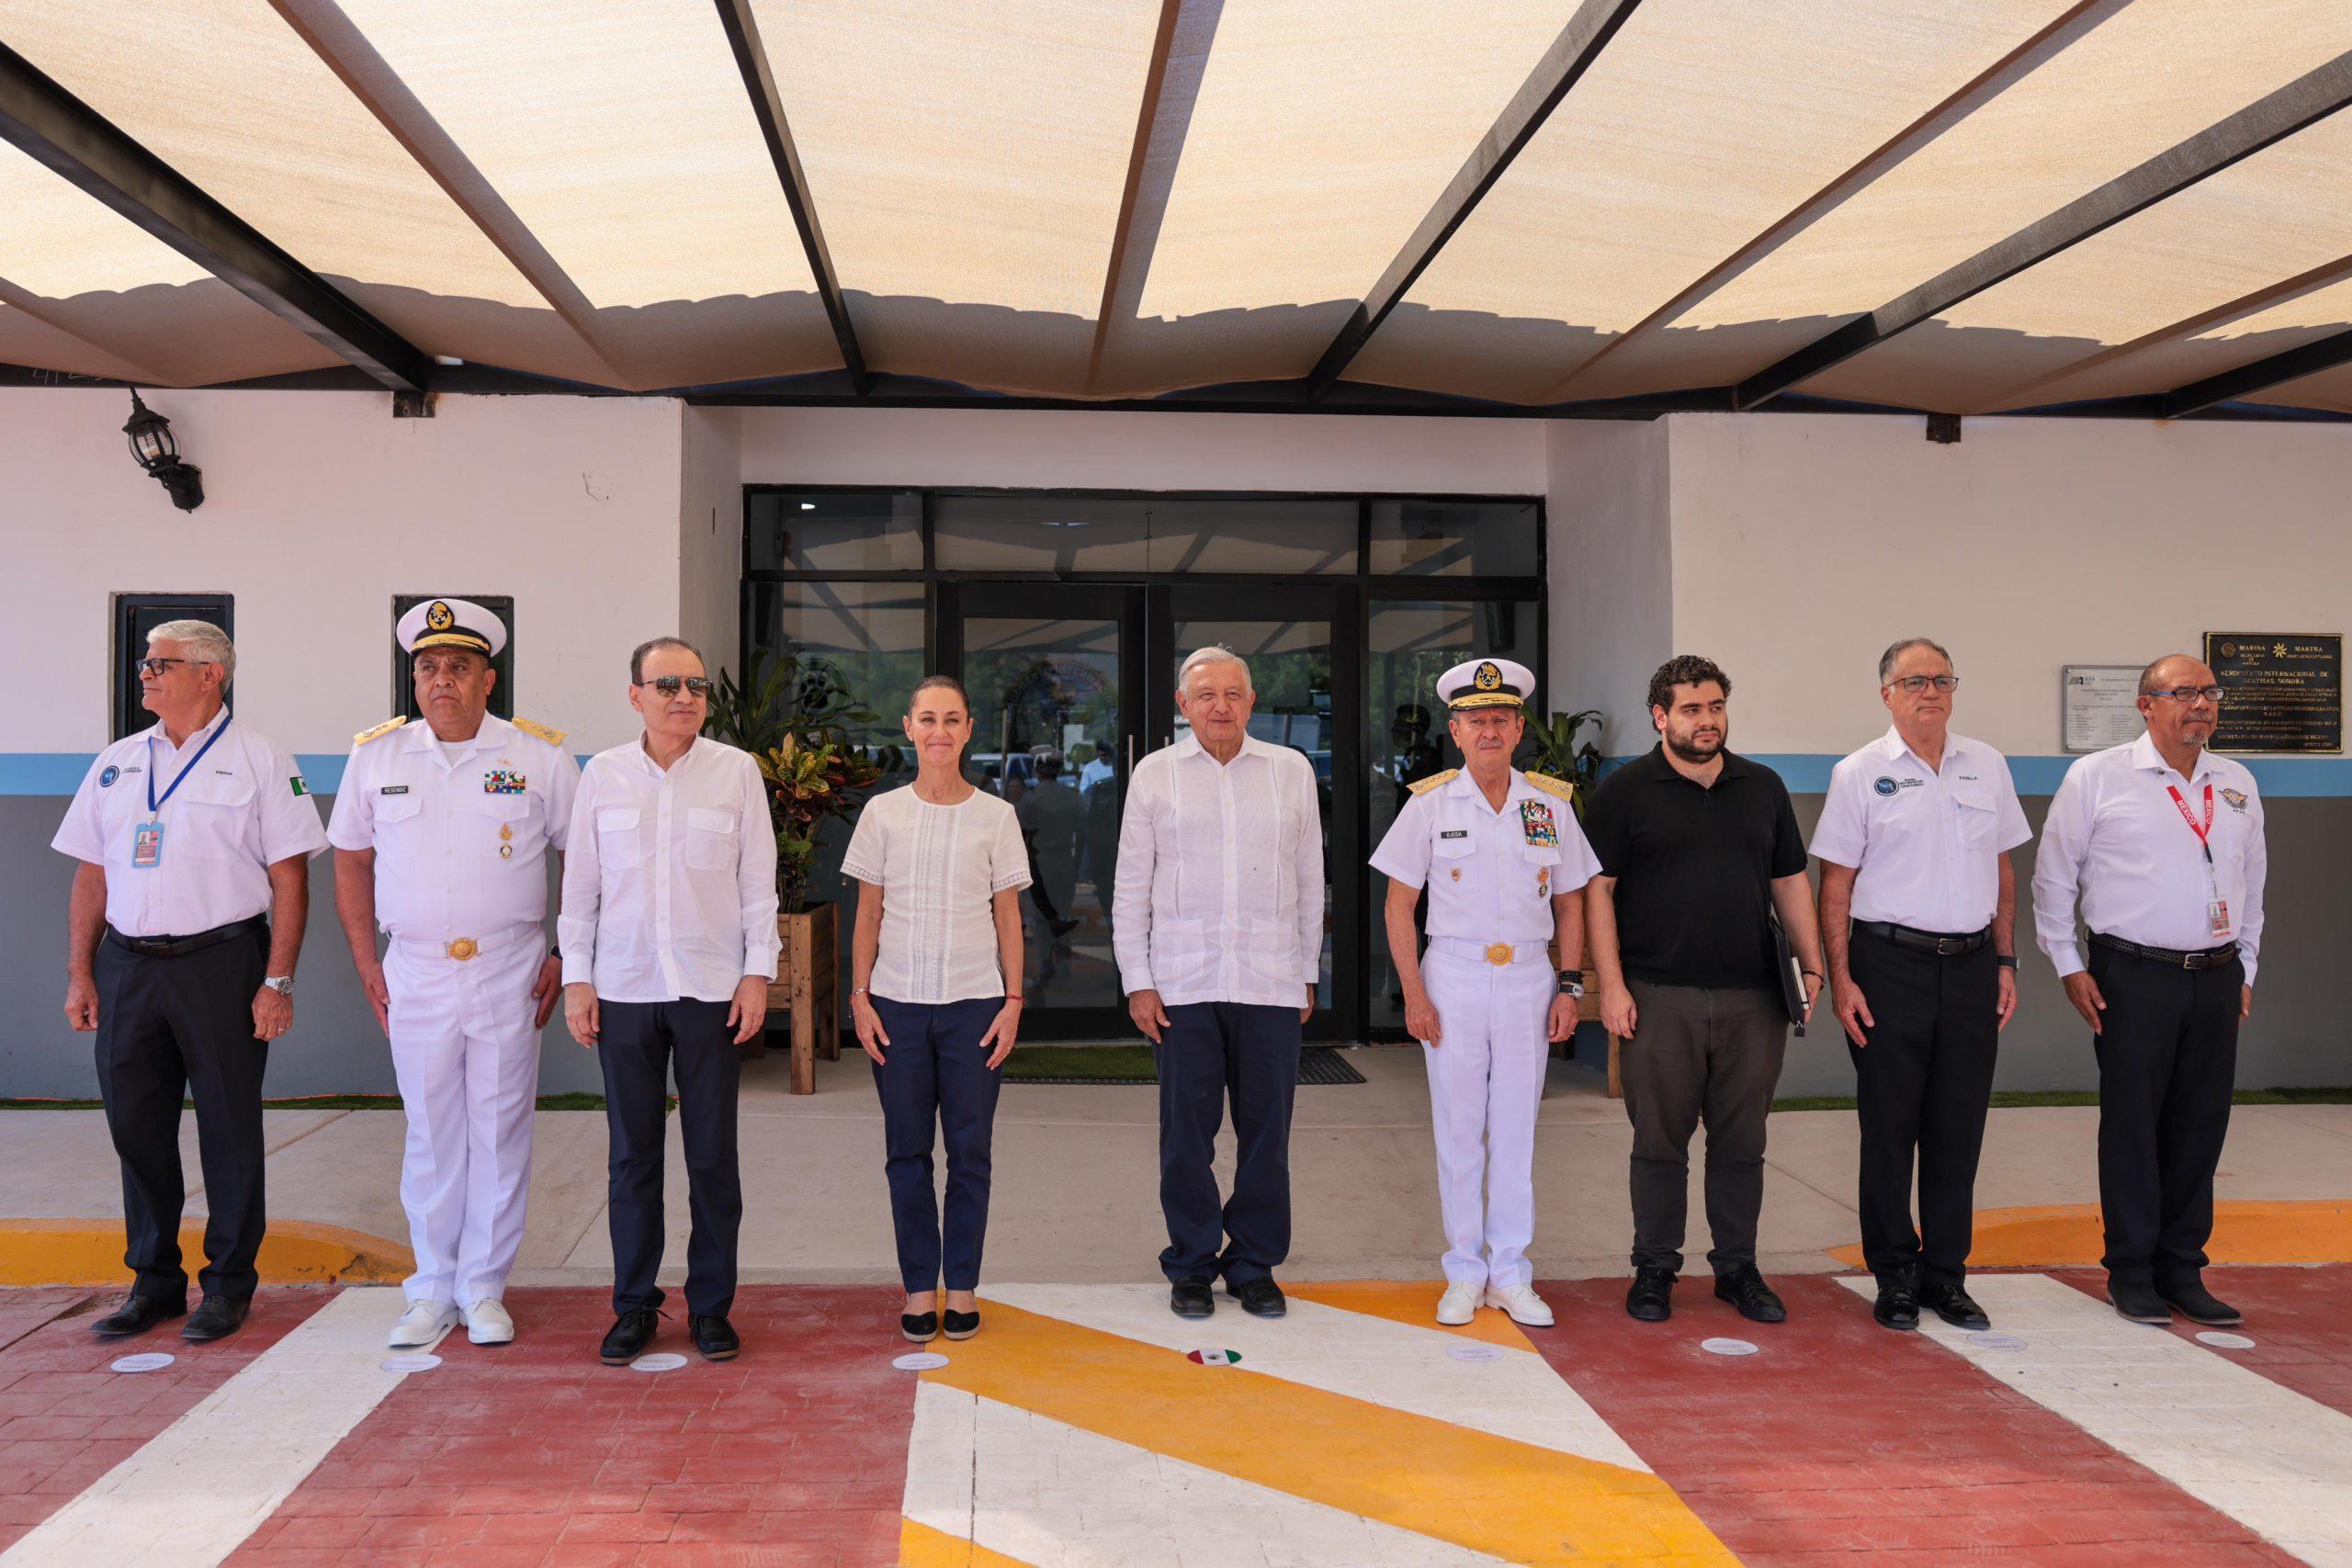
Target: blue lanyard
[(156, 807)]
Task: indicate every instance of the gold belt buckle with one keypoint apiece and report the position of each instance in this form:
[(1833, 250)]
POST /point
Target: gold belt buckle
[(1498, 953), (465, 947)]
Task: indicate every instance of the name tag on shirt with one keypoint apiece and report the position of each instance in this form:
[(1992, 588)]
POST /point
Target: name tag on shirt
[(392, 789), (1455, 833), (147, 846)]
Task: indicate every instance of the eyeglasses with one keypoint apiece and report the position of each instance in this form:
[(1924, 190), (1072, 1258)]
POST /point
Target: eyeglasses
[(1915, 685), (669, 685), (2185, 696), (155, 667)]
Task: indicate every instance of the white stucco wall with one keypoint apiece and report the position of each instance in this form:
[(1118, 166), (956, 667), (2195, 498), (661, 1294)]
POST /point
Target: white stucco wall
[(1611, 567)]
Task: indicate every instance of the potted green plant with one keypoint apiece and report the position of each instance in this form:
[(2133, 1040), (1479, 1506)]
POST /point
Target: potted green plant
[(1559, 753)]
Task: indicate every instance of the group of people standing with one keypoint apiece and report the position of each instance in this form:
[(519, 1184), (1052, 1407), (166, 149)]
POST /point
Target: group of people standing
[(1682, 887)]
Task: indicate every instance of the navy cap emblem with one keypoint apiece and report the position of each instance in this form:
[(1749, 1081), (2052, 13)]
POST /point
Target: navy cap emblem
[(1488, 678), (438, 617)]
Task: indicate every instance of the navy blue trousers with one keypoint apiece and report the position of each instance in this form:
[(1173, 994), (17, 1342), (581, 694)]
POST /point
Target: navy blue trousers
[(1210, 1051), (641, 1045), (934, 1079)]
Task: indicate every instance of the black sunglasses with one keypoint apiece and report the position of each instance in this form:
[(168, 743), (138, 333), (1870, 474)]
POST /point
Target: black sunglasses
[(699, 685)]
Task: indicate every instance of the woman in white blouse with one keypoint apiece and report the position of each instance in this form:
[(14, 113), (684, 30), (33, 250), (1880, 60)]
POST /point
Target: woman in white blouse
[(934, 963)]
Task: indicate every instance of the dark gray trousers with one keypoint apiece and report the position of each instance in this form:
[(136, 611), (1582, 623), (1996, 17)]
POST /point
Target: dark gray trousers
[(643, 1046), (1700, 1054)]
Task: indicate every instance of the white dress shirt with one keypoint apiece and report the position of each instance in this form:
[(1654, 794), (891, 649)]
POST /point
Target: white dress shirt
[(241, 808), (1220, 882), (1925, 844), (939, 869), (460, 829), (2114, 836), (1491, 874), (669, 877)]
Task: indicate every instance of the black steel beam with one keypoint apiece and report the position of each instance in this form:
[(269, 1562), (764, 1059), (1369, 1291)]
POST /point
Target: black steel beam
[(767, 107), (1566, 61), (88, 151), (2273, 370), (2309, 98)]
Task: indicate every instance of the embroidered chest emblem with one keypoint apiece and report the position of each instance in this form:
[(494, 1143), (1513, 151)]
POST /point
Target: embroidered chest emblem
[(2236, 797), (502, 781), (1536, 825)]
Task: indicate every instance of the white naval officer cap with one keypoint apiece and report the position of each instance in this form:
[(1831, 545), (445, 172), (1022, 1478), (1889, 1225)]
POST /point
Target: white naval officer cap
[(1487, 684), (451, 623)]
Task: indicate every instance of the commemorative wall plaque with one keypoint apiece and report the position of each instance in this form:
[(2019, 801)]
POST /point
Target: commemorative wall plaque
[(2098, 706), (2281, 691)]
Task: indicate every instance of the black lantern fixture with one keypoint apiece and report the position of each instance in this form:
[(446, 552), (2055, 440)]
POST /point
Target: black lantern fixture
[(152, 444)]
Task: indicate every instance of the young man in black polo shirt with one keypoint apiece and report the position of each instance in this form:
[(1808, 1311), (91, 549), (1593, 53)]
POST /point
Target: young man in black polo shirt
[(1698, 848)]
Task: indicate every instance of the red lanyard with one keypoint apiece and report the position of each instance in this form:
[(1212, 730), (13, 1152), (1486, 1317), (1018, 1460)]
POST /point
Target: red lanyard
[(2200, 829)]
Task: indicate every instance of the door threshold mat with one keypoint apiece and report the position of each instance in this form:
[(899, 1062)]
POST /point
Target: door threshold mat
[(1133, 1064)]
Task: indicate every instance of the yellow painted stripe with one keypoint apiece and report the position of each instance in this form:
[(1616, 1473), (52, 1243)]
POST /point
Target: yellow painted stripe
[(295, 1252), (2057, 1236), (1512, 1500), (920, 1545), (1411, 1301)]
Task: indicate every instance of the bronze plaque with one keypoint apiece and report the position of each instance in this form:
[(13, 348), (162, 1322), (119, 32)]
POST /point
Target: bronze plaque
[(2281, 691)]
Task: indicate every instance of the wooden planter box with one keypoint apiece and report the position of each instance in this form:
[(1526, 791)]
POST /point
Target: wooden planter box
[(808, 987)]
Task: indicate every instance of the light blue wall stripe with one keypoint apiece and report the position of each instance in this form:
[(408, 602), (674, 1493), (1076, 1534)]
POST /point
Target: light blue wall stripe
[(60, 773)]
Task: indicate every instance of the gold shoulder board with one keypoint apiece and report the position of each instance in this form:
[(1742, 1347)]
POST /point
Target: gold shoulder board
[(533, 726), (386, 727), (1425, 786), (1551, 786)]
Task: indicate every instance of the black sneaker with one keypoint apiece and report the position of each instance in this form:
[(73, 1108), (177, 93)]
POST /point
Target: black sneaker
[(1652, 1296), (714, 1337), (2138, 1301), (1896, 1308), (1258, 1298), (631, 1332), (960, 1324), (1745, 1288), (138, 1314), (1190, 1297), (2199, 1305), (217, 1318), (1956, 1307), (919, 1327)]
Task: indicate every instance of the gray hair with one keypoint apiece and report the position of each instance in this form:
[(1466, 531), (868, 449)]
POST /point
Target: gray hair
[(1897, 650), (1215, 653), (654, 645), (209, 644)]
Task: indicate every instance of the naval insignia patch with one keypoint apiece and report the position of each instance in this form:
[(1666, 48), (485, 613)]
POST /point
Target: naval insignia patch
[(1537, 826)]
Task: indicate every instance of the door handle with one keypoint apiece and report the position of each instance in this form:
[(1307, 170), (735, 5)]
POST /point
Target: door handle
[(1130, 753)]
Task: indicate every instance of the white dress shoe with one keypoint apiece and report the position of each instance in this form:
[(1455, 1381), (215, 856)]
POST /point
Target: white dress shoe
[(1522, 1301), (1459, 1303), (423, 1323), (487, 1322)]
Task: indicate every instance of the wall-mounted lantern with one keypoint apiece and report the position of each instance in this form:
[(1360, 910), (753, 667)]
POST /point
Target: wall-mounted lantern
[(158, 454)]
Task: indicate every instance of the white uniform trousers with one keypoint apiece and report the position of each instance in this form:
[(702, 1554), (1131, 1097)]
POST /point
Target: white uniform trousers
[(468, 1062), (1485, 1083)]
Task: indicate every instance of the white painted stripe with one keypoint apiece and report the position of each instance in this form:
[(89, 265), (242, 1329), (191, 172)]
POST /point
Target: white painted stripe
[(1044, 1492), (1376, 1359), (2276, 1461), (204, 1482)]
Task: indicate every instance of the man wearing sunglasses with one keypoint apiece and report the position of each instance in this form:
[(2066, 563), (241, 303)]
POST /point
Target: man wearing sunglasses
[(1918, 905), (194, 837), (2162, 843), (669, 939)]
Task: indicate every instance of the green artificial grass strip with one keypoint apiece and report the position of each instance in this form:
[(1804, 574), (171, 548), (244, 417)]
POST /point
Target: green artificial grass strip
[(325, 1102), (1126, 1064), (2011, 1099)]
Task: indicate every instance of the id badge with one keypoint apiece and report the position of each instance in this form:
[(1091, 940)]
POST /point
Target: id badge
[(2217, 918), (147, 846)]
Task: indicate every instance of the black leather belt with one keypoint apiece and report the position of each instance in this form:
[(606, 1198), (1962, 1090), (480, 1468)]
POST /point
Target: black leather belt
[(1937, 943), (175, 946), (2170, 957)]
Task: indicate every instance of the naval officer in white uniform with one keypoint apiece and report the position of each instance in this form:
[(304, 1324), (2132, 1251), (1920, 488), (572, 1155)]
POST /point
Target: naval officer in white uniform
[(441, 833), (1503, 859)]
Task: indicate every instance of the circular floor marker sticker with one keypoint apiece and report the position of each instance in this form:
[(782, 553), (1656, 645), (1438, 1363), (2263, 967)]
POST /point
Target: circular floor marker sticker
[(2221, 1341), (920, 1361), (145, 1361), (1476, 1352), (1727, 1347), (1214, 1357), (1995, 1341), (410, 1364), (660, 1361)]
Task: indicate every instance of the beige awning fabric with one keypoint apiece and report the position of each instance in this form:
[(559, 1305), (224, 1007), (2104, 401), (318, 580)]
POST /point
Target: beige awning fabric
[(1126, 199)]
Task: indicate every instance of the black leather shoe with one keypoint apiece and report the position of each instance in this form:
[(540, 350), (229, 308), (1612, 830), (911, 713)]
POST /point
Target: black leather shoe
[(1896, 1308), (216, 1318), (1652, 1297), (138, 1314), (714, 1337), (1956, 1307), (1745, 1289), (2199, 1305), (1189, 1297), (1258, 1298), (2138, 1302), (959, 1325), (631, 1332), (919, 1327)]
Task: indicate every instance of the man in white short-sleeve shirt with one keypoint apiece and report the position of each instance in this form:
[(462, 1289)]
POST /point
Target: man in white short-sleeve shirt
[(1919, 909)]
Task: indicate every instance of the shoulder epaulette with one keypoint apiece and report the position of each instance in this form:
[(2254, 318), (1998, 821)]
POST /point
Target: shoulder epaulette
[(533, 726), (1551, 786), (1422, 786), (386, 727)]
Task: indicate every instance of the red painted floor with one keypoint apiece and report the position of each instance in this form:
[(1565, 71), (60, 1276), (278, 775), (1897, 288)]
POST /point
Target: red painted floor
[(2297, 1318), (1842, 1437), (65, 1420)]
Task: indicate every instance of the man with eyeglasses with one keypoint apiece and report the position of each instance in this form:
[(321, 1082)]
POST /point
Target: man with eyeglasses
[(2162, 841), (442, 832), (194, 837), (1918, 905), (669, 939)]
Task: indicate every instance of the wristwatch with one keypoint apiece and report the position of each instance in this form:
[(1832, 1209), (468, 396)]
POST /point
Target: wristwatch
[(1572, 983), (2006, 960), (282, 983)]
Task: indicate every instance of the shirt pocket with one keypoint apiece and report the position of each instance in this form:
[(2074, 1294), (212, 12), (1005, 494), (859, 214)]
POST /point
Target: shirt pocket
[(1449, 859), (619, 837), (216, 812), (1976, 816), (710, 838), (1181, 958), (399, 822), (503, 820)]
